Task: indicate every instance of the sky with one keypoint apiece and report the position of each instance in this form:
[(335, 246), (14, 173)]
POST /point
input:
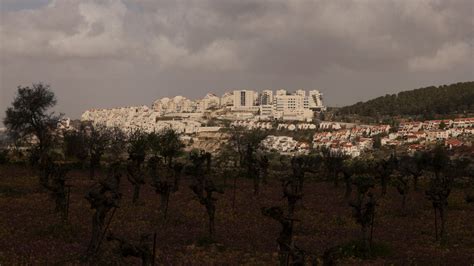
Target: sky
[(110, 53)]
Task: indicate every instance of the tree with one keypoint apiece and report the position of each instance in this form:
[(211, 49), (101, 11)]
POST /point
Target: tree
[(264, 164), (445, 171), (167, 144), (103, 197), (28, 118), (227, 163), (136, 176), (246, 143), (117, 144), (403, 188), (137, 150), (28, 115), (292, 194), (54, 180), (333, 161), (364, 209), (288, 252), (350, 168), (203, 187), (137, 146), (293, 185), (165, 180), (75, 146), (438, 193), (98, 139), (412, 165), (423, 102), (384, 168), (442, 125)]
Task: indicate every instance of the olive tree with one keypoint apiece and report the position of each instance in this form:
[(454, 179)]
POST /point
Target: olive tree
[(28, 116), (29, 119)]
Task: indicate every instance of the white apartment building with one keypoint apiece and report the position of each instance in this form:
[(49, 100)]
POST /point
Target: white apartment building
[(227, 99), (266, 97), (292, 106), (314, 101), (245, 100), (178, 104), (209, 101)]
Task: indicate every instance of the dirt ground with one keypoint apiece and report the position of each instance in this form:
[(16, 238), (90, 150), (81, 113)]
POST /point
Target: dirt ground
[(31, 233)]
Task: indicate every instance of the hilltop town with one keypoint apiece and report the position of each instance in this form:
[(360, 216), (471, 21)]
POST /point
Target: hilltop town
[(205, 123)]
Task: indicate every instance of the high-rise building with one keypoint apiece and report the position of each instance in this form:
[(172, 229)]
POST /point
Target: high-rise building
[(266, 97), (245, 100), (315, 101)]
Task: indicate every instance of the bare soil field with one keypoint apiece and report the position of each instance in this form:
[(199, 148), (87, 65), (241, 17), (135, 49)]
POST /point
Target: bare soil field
[(31, 232)]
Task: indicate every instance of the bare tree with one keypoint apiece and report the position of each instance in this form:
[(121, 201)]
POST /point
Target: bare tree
[(384, 169), (288, 252), (137, 151), (403, 188), (246, 143), (351, 168), (412, 165), (445, 172), (165, 180), (55, 182), (103, 197), (203, 187), (333, 161), (364, 209)]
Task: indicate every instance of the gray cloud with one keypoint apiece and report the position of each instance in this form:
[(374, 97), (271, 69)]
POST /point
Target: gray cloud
[(112, 52)]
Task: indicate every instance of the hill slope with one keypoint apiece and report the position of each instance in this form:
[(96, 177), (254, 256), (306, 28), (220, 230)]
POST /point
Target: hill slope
[(442, 100)]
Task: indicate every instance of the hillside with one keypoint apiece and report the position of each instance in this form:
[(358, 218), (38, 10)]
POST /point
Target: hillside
[(455, 98)]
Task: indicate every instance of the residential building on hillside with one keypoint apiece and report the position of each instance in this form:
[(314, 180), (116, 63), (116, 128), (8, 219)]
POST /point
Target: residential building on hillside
[(266, 97), (245, 100), (227, 100)]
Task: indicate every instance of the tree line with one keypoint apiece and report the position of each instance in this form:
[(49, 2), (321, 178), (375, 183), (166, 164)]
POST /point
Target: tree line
[(457, 98)]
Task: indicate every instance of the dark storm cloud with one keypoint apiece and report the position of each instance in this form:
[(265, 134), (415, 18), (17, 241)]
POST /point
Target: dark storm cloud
[(110, 53)]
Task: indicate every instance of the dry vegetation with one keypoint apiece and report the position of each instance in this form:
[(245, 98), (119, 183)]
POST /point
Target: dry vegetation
[(31, 231)]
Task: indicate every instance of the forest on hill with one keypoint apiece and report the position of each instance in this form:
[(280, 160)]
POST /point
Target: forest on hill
[(457, 98)]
